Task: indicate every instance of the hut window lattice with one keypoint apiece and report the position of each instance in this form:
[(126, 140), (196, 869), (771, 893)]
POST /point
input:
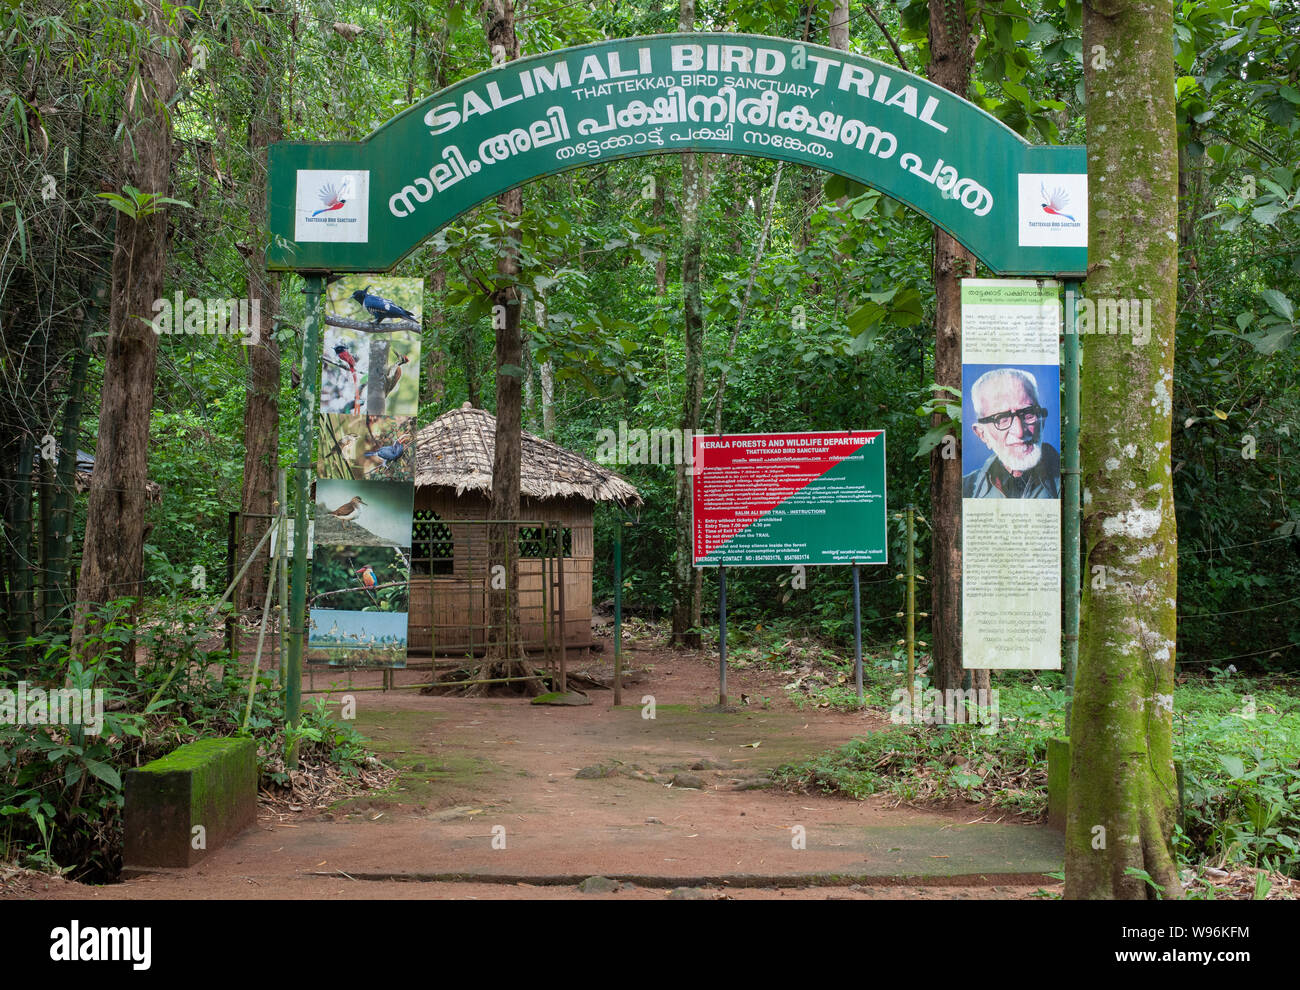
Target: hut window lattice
[(533, 545), (431, 544)]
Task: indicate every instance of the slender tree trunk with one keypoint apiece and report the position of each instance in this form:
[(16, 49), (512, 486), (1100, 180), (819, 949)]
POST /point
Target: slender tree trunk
[(546, 379), (58, 594), (433, 377), (686, 586), (661, 262), (113, 558), (1123, 795), (505, 650), (262, 406), (951, 48)]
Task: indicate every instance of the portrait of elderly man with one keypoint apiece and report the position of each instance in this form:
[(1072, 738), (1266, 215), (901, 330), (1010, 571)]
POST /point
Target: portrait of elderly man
[(1010, 420)]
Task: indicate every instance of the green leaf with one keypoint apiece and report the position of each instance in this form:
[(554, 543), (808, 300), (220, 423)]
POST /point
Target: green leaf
[(933, 437), (1278, 303), (105, 773), (1236, 769)]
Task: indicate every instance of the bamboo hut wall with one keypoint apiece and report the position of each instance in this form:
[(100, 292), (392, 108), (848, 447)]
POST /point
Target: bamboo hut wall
[(449, 610)]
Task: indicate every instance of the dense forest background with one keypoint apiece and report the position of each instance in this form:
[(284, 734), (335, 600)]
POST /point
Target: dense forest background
[(816, 295)]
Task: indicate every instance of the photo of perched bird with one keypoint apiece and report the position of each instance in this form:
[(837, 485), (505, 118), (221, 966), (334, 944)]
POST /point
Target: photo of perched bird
[(380, 308), (390, 452), (349, 509), (346, 357), (368, 581), (395, 374)]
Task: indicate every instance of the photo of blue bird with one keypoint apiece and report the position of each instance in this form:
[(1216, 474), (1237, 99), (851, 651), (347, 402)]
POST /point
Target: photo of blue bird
[(380, 308), (390, 452)]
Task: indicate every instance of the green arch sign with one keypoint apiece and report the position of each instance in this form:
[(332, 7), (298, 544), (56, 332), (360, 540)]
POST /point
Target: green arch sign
[(364, 206)]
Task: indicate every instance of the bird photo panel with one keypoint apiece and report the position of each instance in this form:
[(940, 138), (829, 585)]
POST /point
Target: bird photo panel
[(365, 513), (371, 355), (378, 448), (344, 638), (365, 492), (360, 579)]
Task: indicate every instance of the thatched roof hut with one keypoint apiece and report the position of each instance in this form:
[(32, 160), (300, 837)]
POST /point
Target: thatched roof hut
[(450, 563), (456, 451)]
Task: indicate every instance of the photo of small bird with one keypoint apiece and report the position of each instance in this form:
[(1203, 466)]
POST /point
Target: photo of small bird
[(368, 581), (380, 308), (346, 357), (349, 509), (391, 452), (395, 374)]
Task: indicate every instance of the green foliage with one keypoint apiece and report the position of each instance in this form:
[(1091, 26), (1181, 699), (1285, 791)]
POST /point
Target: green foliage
[(61, 789)]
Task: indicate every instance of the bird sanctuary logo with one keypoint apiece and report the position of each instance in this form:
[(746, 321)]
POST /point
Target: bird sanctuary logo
[(102, 944), (332, 206), (1053, 210)]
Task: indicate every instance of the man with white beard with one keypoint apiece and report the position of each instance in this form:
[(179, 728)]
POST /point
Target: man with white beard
[(1009, 421)]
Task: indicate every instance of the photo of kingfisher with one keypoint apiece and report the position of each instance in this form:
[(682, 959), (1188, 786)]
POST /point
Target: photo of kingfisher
[(1055, 203), (368, 581), (380, 308), (360, 578)]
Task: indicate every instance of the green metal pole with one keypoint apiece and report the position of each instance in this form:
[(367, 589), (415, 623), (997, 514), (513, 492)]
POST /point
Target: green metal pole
[(1070, 539), (308, 402), (618, 610), (282, 593), (911, 607)]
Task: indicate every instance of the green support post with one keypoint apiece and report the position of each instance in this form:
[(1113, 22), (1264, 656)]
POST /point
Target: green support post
[(618, 609), (308, 401), (911, 606), (1070, 538)]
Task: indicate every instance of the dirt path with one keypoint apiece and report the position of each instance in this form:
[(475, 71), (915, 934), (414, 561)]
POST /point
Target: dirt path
[(489, 803)]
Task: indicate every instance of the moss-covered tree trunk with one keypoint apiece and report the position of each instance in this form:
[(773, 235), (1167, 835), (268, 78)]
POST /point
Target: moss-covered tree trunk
[(1123, 795)]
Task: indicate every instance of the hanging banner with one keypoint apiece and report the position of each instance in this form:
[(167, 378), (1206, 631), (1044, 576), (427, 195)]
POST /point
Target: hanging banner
[(780, 499), (365, 492), (1011, 474)]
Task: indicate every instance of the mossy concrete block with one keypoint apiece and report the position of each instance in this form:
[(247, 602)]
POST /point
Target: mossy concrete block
[(1058, 781), (209, 784)]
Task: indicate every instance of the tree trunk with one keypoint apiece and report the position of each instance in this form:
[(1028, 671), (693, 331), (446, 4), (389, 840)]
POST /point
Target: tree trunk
[(951, 48), (112, 562), (58, 596), (504, 649), (433, 377), (661, 262), (262, 406), (1123, 795), (686, 587)]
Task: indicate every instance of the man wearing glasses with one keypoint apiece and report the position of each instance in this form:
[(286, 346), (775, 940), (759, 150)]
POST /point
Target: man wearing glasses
[(1009, 421)]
